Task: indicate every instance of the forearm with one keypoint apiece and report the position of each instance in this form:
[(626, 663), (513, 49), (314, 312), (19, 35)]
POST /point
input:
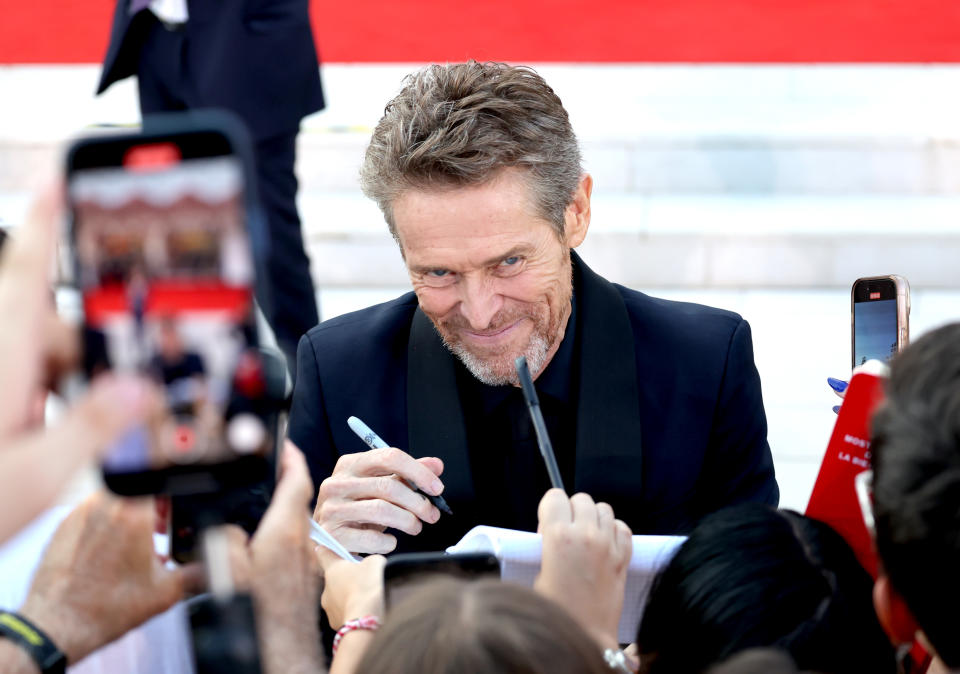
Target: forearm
[(288, 631), (350, 651), (288, 649)]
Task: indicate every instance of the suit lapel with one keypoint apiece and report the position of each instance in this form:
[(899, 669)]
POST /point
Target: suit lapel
[(435, 419), (608, 408)]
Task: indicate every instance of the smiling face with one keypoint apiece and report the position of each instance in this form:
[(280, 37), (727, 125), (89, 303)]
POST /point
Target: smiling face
[(490, 272)]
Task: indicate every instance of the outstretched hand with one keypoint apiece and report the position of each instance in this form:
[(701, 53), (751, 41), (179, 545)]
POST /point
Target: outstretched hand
[(586, 553), (100, 576)]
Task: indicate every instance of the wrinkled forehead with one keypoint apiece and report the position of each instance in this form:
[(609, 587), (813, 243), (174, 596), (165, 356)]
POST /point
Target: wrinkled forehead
[(476, 220)]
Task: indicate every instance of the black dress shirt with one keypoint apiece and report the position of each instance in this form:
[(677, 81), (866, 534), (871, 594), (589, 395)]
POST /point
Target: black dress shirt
[(509, 475)]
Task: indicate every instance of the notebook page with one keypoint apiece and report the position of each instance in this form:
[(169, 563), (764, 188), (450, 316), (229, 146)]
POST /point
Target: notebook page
[(519, 555)]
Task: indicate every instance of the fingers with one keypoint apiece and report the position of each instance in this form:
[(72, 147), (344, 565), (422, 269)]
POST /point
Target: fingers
[(390, 460), (365, 541), (377, 511), (839, 386), (584, 510), (432, 463), (383, 500), (624, 541), (35, 467), (114, 404), (369, 491), (605, 519), (554, 508), (241, 568), (192, 578)]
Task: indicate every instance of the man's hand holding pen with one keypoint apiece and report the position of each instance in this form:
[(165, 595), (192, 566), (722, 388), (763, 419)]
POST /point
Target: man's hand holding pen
[(366, 494)]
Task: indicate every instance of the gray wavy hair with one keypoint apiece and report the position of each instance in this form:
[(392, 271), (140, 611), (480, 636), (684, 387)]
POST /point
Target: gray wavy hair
[(461, 124)]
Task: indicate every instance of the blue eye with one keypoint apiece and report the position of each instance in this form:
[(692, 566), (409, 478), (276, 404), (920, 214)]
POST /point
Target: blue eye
[(510, 261), (438, 273)]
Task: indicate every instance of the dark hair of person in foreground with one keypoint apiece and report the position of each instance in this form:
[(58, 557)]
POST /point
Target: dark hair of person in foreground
[(449, 626), (757, 661), (916, 485), (752, 576)]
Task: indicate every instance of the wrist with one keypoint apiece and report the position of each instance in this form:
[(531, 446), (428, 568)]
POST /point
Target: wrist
[(368, 605), (71, 634), (15, 660), (369, 623), (605, 638), (27, 647)]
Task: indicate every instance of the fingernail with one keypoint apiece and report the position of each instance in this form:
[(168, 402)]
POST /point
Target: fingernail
[(836, 409), (436, 487), (434, 516), (837, 385)]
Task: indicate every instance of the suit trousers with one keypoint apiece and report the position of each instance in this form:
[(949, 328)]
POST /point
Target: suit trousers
[(165, 85)]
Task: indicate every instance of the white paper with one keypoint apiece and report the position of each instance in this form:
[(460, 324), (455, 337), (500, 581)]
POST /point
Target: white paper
[(519, 555)]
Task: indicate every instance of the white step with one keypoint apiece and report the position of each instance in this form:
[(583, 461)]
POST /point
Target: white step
[(646, 129)]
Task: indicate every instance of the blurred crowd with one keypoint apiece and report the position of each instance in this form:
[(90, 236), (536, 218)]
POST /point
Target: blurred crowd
[(752, 589)]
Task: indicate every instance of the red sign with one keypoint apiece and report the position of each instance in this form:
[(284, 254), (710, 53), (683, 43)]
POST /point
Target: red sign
[(834, 499)]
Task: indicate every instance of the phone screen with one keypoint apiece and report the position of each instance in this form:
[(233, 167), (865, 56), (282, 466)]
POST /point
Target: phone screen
[(874, 321), (164, 265)]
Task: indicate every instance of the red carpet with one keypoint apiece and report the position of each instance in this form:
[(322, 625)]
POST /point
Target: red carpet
[(750, 31)]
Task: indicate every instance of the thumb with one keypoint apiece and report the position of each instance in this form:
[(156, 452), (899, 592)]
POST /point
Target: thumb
[(172, 584), (113, 405), (35, 468), (291, 498), (327, 557)]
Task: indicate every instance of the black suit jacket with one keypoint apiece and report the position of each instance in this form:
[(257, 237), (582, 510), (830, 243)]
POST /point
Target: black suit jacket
[(253, 57), (670, 422)]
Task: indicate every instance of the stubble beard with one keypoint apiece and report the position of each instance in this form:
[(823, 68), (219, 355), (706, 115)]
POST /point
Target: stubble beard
[(496, 368)]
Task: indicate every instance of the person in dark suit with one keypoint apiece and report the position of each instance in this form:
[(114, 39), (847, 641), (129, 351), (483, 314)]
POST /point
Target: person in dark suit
[(257, 59), (653, 407)]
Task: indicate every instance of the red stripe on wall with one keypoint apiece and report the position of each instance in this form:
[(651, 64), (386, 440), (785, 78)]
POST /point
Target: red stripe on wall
[(750, 31)]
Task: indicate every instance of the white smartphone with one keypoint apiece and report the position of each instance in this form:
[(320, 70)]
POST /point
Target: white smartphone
[(880, 318)]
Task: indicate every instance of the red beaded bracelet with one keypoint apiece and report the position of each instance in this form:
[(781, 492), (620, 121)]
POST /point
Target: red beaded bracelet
[(370, 622)]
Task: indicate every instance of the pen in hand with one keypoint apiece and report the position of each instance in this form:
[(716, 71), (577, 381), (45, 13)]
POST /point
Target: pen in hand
[(373, 441), (539, 426)]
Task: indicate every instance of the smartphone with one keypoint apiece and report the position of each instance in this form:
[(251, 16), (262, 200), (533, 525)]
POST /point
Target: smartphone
[(404, 572), (162, 230), (880, 318)]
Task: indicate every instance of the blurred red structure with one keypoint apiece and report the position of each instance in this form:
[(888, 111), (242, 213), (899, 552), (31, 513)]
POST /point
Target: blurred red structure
[(170, 299), (537, 31)]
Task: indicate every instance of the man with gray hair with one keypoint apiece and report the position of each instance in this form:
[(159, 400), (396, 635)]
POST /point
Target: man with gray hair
[(652, 406)]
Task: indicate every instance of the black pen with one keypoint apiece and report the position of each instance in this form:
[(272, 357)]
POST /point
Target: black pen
[(374, 441), (543, 438)]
